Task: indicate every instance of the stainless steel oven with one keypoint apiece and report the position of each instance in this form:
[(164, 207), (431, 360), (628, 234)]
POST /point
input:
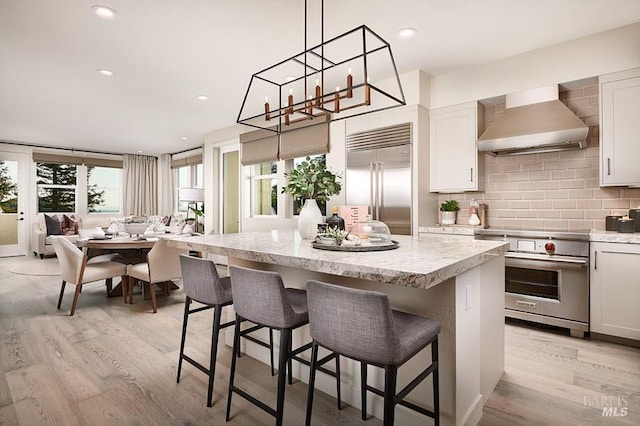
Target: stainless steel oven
[(546, 277)]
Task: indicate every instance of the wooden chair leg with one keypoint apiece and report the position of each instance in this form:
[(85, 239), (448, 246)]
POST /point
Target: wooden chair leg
[(75, 298), (64, 283), (124, 285), (154, 302)]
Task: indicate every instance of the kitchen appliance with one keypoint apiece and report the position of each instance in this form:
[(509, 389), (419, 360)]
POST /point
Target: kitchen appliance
[(379, 175), (546, 277), (534, 121)]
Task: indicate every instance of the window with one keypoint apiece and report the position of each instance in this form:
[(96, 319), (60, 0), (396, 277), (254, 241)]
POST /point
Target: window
[(103, 189), (264, 189), (188, 177), (298, 203), (56, 187)]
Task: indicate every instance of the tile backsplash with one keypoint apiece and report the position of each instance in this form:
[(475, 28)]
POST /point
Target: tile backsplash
[(549, 191)]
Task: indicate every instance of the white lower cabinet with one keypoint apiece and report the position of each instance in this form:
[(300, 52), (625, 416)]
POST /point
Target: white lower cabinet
[(615, 289)]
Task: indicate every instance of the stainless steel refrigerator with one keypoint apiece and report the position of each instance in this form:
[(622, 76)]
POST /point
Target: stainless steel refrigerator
[(379, 176)]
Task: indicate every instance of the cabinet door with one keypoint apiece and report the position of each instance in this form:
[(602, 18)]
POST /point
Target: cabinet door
[(620, 132), (454, 156), (615, 289)]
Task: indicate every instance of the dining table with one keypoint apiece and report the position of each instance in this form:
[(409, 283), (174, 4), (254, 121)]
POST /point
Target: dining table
[(129, 250)]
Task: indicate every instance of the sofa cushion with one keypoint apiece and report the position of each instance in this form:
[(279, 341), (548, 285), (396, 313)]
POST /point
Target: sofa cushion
[(69, 225), (53, 225)]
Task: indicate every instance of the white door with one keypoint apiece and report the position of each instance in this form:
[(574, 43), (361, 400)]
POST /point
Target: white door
[(13, 202)]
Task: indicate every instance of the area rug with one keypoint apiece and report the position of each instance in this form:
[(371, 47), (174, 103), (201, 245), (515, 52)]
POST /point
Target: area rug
[(36, 266)]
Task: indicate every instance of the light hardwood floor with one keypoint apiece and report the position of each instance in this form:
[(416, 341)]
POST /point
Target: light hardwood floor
[(115, 364)]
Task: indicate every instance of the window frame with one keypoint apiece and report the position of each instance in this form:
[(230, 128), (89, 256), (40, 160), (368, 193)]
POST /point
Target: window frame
[(119, 188), (253, 179)]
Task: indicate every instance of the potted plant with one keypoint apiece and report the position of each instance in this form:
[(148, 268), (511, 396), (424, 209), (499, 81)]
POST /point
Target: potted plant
[(448, 212), (311, 181)]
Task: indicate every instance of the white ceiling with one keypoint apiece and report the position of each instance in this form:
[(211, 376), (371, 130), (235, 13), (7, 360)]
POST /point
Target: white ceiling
[(166, 52)]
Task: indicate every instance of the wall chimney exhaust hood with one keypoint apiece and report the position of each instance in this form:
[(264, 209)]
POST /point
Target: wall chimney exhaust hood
[(534, 121)]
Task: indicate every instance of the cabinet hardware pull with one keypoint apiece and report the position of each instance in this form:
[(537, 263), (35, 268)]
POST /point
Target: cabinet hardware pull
[(608, 166), (595, 260), (472, 175)]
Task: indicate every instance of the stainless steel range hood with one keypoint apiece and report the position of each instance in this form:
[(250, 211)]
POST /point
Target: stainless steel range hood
[(534, 121)]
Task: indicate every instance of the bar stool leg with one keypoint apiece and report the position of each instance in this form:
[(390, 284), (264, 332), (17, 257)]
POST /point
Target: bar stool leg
[(285, 344), (185, 318), (312, 382), (234, 352), (390, 377), (436, 382), (363, 388), (290, 363), (338, 393), (217, 315), (273, 371)]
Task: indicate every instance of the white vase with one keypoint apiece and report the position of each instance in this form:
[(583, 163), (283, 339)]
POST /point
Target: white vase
[(308, 219), (448, 218)]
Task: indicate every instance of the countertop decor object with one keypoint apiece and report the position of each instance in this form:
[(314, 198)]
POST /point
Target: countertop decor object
[(449, 212), (345, 81), (311, 181), (611, 222), (635, 214), (626, 225), (370, 247)]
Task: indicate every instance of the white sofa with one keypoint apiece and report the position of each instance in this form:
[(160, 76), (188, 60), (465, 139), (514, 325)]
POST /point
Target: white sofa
[(41, 243)]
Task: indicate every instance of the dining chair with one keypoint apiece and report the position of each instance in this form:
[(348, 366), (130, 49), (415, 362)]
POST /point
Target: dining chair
[(162, 267), (76, 269)]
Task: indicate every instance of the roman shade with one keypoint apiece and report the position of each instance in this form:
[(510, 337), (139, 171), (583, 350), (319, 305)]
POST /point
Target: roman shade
[(186, 161), (46, 157), (259, 146), (305, 139)]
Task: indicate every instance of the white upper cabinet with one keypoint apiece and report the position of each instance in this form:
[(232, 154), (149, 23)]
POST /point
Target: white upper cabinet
[(620, 128), (455, 163)]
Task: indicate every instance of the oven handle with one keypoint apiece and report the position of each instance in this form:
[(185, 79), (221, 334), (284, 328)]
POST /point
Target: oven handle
[(523, 258)]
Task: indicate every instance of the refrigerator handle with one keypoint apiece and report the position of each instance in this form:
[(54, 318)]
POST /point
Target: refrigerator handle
[(372, 185), (380, 204)]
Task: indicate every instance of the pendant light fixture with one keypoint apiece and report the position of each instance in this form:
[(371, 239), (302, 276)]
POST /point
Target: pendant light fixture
[(351, 74)]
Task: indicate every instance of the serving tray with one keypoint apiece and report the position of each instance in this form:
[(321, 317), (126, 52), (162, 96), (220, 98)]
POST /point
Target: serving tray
[(332, 247)]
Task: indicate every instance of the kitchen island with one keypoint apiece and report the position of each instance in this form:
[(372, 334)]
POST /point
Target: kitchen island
[(459, 283)]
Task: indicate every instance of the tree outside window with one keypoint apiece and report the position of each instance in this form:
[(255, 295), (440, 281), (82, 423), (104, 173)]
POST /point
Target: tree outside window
[(103, 189), (56, 187), (8, 189)]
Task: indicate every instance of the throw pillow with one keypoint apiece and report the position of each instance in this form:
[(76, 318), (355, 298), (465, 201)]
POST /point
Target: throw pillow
[(69, 225), (53, 225)]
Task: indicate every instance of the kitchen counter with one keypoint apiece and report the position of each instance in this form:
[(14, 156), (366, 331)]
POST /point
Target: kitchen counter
[(418, 262), (467, 230), (614, 237), (460, 283)]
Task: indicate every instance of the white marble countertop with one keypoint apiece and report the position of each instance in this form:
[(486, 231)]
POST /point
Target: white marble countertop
[(614, 237), (419, 262), (451, 230)]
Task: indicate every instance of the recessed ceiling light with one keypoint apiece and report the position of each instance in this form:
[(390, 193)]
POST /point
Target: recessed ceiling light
[(140, 151), (184, 138), (290, 78), (407, 32), (104, 12), (106, 73), (203, 97)]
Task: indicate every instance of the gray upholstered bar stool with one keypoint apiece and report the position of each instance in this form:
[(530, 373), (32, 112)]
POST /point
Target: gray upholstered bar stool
[(202, 284), (261, 298), (361, 325)]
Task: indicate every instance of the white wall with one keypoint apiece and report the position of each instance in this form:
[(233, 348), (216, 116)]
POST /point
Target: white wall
[(602, 53)]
